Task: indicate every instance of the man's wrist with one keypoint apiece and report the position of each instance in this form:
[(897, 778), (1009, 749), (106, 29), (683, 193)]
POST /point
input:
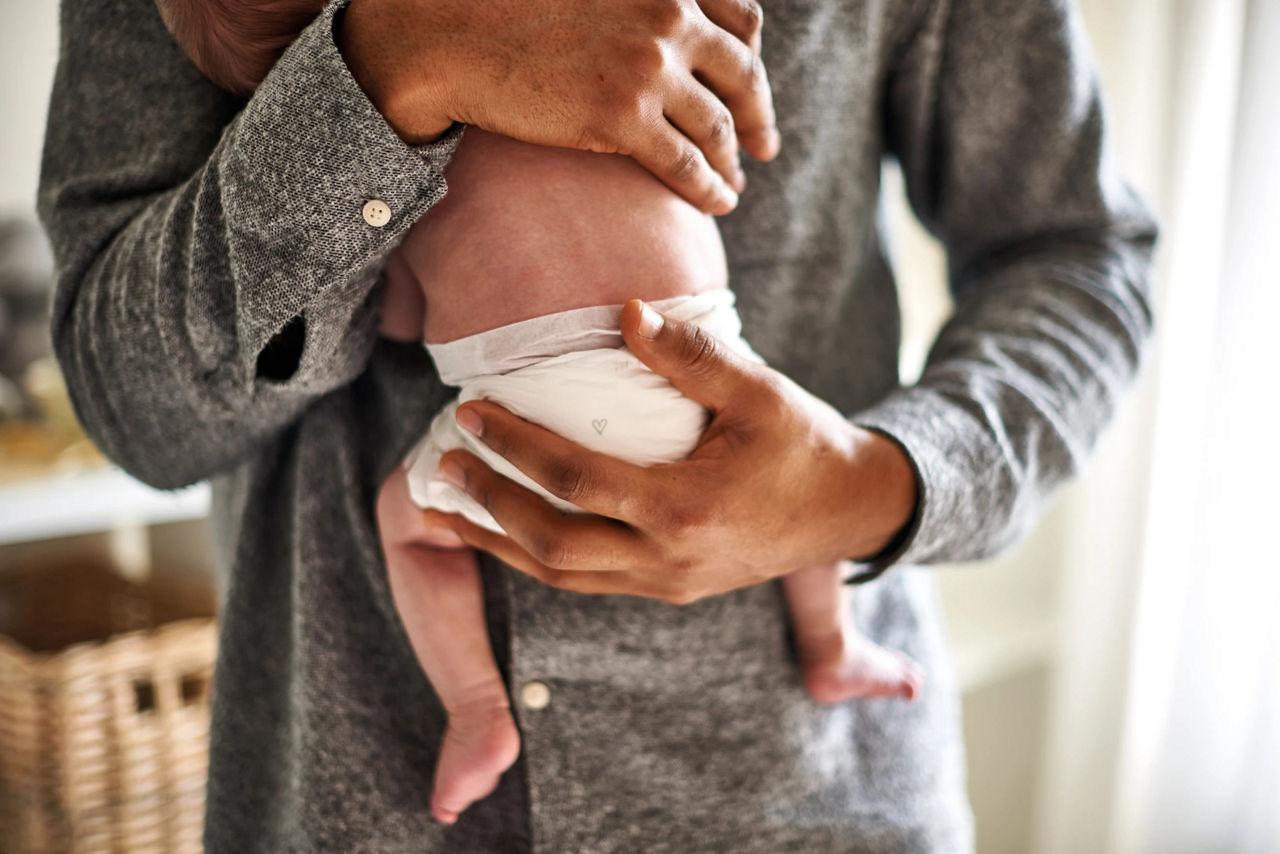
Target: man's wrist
[(887, 482), (366, 37)]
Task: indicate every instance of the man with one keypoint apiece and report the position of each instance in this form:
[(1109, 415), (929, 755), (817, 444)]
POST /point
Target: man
[(216, 312)]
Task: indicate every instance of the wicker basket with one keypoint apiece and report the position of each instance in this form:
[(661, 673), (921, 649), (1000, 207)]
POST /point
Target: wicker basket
[(104, 746)]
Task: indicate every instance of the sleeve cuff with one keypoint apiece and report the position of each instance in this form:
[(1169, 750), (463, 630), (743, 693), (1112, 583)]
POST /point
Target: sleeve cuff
[(871, 568), (308, 151), (951, 463), (438, 153)]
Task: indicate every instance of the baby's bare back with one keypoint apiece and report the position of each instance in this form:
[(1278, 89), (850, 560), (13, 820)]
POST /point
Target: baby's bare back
[(528, 230)]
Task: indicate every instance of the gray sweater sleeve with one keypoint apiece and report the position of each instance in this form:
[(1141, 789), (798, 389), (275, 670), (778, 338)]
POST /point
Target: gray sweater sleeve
[(994, 112), (215, 272)]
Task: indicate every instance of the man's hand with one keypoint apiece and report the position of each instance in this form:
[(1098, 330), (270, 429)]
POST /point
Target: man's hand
[(779, 481), (675, 84)]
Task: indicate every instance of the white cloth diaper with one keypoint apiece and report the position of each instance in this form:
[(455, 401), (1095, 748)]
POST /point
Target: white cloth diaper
[(568, 372)]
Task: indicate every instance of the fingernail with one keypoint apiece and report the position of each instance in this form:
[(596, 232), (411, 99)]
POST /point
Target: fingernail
[(739, 180), (469, 421), (650, 322), (728, 196), (453, 473)]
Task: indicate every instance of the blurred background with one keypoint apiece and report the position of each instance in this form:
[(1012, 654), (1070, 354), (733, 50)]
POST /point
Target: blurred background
[(1120, 668)]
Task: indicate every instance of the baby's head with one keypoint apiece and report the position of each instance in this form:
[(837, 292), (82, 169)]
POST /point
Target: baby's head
[(235, 42)]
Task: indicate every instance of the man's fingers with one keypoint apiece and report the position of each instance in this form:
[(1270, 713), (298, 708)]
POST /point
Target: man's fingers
[(678, 162), (744, 19), (573, 541), (737, 77), (503, 548), (516, 556), (709, 125), (697, 363), (596, 482)]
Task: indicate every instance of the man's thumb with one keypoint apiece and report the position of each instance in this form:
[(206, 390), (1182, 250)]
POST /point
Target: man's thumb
[(697, 363)]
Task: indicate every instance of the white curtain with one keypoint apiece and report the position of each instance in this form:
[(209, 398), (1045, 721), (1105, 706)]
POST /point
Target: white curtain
[(1165, 724)]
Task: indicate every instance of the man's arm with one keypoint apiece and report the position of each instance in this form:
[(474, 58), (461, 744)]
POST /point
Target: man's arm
[(996, 117), (214, 279), (215, 271)]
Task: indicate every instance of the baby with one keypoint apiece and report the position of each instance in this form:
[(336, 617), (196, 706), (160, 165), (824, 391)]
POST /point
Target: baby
[(515, 282)]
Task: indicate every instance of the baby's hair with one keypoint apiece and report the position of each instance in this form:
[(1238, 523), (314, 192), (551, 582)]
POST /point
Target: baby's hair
[(235, 42)]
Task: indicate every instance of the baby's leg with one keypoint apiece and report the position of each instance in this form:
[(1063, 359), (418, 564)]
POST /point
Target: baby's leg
[(440, 599), (839, 663)]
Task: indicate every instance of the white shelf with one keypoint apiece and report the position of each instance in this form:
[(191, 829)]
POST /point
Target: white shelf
[(82, 503)]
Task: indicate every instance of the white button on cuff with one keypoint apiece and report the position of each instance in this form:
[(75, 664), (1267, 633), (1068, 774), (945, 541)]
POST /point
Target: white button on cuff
[(535, 695), (377, 213)]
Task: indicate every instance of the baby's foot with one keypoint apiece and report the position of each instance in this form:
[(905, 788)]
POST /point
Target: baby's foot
[(480, 742), (845, 667)]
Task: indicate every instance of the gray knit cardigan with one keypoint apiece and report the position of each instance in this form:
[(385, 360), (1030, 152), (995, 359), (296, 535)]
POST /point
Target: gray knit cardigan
[(216, 314)]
